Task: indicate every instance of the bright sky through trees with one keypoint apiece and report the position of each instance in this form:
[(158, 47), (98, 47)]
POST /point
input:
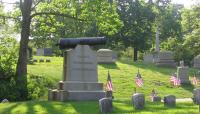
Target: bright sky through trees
[(187, 3)]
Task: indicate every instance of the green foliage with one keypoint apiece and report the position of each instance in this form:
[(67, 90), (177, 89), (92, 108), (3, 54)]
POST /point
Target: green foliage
[(8, 56), (192, 42), (181, 51), (190, 19), (38, 86)]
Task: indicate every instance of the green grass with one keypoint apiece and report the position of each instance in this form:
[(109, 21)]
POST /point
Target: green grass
[(122, 74), (91, 107)]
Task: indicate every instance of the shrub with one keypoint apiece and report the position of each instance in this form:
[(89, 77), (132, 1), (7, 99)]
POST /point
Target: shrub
[(38, 86)]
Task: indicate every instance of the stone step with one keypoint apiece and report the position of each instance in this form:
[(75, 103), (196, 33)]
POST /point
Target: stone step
[(81, 86), (81, 95)]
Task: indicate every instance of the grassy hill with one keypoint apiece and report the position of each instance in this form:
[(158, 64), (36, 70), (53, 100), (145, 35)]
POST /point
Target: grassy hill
[(123, 74)]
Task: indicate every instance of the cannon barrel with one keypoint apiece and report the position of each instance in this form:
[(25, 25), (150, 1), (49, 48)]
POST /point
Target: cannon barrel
[(72, 42)]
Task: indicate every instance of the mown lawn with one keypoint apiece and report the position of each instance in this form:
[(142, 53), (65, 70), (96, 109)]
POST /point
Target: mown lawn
[(91, 107), (122, 74)]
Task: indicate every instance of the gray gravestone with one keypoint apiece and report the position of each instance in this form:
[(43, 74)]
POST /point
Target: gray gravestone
[(41, 60), (165, 58), (48, 60), (105, 56), (157, 40), (138, 101), (105, 105), (80, 79), (197, 62), (196, 96), (183, 74), (40, 52), (156, 99), (148, 58), (170, 100), (4, 101), (34, 60)]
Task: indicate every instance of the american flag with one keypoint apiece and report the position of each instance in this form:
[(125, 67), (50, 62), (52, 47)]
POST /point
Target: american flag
[(195, 80), (138, 80), (174, 80), (109, 85)]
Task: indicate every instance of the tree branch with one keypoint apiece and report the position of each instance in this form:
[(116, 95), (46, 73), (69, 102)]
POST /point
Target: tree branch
[(56, 14), (9, 17), (36, 5)]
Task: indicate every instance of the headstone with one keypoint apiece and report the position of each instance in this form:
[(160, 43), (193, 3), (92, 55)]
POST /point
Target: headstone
[(4, 101), (48, 60), (80, 79), (183, 74), (105, 105), (170, 100), (105, 56), (138, 101), (41, 60), (48, 52), (148, 58), (165, 59), (40, 52), (196, 96), (156, 99), (197, 62), (54, 95), (34, 60)]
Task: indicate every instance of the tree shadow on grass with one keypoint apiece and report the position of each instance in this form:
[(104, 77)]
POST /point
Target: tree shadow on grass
[(9, 108), (85, 107), (109, 65), (189, 87)]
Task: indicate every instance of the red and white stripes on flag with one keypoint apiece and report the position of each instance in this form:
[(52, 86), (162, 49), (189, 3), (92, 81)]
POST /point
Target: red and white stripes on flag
[(138, 80), (175, 81), (109, 86), (195, 80)]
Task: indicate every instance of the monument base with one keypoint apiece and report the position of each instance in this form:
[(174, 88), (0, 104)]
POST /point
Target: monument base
[(62, 95), (166, 63)]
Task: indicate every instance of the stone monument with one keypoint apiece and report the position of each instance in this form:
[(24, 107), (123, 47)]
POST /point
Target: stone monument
[(165, 58), (183, 73), (105, 56), (138, 101), (80, 77), (170, 100), (105, 105), (196, 62), (196, 96)]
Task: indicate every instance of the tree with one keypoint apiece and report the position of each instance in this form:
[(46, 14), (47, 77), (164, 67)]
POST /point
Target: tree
[(137, 18)]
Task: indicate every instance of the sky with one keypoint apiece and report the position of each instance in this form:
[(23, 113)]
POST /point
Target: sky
[(187, 3)]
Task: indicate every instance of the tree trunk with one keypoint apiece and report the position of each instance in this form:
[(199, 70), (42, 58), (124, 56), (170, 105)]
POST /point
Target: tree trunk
[(21, 70), (135, 58), (25, 33)]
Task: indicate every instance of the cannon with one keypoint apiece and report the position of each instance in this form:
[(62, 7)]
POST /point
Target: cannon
[(73, 42)]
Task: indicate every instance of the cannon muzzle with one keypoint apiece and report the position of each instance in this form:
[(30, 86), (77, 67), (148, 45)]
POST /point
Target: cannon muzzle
[(73, 42)]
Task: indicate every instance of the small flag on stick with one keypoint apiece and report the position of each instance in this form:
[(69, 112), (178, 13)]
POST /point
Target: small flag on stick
[(109, 86), (195, 80), (174, 80), (138, 80)]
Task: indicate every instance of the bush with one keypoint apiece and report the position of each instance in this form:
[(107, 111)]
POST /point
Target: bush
[(181, 52), (38, 86)]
